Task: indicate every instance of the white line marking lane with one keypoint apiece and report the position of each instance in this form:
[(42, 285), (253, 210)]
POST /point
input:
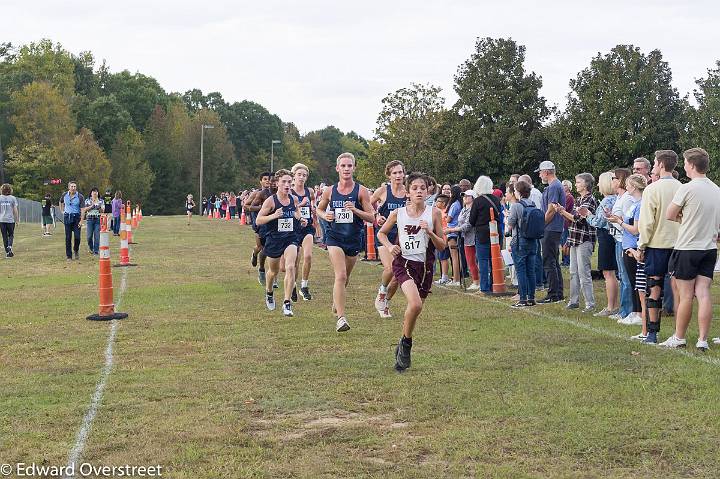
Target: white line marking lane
[(84, 432)]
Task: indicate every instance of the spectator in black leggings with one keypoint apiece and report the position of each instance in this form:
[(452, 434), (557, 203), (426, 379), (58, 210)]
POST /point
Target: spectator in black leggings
[(9, 216)]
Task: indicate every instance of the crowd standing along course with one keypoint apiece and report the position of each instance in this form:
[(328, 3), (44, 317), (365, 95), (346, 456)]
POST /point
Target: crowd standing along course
[(205, 382)]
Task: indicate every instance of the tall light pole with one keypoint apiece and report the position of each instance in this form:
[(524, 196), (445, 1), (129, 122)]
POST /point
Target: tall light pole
[(272, 155), (202, 141)]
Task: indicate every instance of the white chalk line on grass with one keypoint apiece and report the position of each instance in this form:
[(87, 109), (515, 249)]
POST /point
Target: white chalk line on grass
[(587, 327), (84, 432)]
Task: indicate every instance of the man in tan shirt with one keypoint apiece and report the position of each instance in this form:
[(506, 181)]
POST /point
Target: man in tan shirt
[(692, 263), (657, 235)]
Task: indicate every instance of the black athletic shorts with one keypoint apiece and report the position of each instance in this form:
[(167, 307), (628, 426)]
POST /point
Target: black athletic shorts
[(657, 261), (689, 264), (275, 247), (350, 246)]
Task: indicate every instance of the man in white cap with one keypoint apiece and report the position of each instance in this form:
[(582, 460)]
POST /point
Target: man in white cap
[(553, 197)]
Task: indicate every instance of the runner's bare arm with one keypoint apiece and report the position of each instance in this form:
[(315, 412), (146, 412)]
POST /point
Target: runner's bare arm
[(378, 197), (436, 233), (366, 213), (324, 202), (264, 215)]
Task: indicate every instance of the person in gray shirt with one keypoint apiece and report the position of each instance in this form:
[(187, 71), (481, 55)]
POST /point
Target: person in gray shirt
[(9, 217)]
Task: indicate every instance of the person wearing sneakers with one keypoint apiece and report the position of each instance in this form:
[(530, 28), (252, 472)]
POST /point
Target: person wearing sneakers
[(47, 218), (607, 262), (468, 235), (252, 207), (307, 234), (635, 184), (453, 212), (420, 234), (657, 235), (524, 248), (553, 198), (71, 203), (345, 206), (624, 200), (390, 196), (9, 217), (189, 205), (441, 203), (280, 213), (695, 207), (581, 238)]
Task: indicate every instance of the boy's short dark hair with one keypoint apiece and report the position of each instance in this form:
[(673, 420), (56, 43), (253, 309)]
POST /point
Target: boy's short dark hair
[(699, 158), (443, 198), (667, 158), (523, 187), (416, 175), (264, 174)]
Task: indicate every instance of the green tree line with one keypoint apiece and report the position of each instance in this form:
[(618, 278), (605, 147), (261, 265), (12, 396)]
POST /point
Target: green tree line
[(63, 116), (620, 107)]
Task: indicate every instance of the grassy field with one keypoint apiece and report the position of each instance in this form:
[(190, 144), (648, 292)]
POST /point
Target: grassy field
[(209, 384)]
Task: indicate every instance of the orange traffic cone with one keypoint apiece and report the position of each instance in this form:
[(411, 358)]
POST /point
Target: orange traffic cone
[(209, 213), (498, 266), (217, 213), (134, 220), (370, 242), (227, 214), (124, 249), (128, 224), (106, 311), (243, 219)]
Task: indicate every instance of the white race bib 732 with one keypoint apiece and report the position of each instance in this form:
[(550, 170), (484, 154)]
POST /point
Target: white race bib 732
[(285, 225)]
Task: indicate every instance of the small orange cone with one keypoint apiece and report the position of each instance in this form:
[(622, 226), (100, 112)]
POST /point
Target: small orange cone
[(124, 249), (227, 214), (370, 242), (106, 311), (498, 266), (243, 219)]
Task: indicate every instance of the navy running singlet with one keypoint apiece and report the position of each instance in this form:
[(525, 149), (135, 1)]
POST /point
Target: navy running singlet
[(391, 204), (285, 227), (304, 210), (346, 224)]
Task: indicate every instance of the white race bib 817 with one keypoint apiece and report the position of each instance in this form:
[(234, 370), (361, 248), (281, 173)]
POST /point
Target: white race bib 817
[(285, 225), (305, 212), (343, 215), (412, 244)]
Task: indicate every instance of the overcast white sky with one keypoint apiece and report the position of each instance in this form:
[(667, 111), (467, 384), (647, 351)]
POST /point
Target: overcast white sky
[(320, 62)]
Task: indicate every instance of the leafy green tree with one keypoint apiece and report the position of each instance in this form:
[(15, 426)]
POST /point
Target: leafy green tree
[(326, 147), (106, 118), (221, 169), (251, 129), (84, 161), (408, 127), (45, 61), (137, 93), (130, 171), (704, 120), (29, 165), (496, 128), (620, 107), (41, 116)]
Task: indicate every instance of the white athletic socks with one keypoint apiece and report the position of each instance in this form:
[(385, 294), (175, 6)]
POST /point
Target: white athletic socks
[(304, 283), (382, 289)]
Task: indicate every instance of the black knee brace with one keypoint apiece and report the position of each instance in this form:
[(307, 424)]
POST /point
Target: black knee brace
[(653, 327), (652, 282)]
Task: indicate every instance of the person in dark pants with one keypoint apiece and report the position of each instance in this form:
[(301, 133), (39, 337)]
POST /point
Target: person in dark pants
[(71, 203), (553, 197), (9, 217)]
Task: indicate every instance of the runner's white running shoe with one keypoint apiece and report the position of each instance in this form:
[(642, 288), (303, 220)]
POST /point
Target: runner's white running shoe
[(702, 345), (674, 342), (716, 340), (639, 337), (381, 302), (287, 309), (342, 325)]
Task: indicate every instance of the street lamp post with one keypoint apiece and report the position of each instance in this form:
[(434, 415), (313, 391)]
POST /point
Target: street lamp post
[(272, 155), (202, 141)]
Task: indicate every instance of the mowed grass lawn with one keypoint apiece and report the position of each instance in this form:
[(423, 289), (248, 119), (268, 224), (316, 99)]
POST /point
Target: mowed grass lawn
[(209, 384)]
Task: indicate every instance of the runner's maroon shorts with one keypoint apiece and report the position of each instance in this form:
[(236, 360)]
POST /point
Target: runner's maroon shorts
[(420, 273)]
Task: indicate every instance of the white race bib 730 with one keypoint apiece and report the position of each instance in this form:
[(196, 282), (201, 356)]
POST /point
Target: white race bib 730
[(343, 215)]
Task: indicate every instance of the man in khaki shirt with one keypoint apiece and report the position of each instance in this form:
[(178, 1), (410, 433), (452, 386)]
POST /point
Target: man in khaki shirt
[(657, 235), (695, 207)]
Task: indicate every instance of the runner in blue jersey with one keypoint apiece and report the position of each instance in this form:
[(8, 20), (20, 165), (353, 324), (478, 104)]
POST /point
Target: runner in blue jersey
[(252, 207), (391, 196), (306, 235), (280, 214), (345, 206)]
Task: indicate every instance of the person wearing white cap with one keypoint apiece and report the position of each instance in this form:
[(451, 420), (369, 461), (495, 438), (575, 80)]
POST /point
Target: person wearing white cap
[(553, 197)]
